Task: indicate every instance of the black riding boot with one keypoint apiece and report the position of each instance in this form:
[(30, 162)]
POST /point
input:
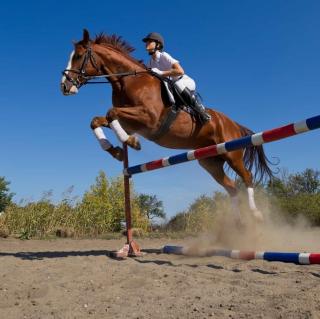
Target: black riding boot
[(193, 101)]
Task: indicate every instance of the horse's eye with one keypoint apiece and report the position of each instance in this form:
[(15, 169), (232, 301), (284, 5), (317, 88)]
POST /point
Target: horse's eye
[(76, 56)]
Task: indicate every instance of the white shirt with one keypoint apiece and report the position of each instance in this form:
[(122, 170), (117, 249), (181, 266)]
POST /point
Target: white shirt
[(163, 61)]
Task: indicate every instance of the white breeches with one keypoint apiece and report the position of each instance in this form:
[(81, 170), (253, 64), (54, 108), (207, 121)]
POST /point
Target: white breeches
[(185, 81)]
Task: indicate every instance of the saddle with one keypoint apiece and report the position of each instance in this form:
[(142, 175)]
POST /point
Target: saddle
[(174, 96), (175, 104)]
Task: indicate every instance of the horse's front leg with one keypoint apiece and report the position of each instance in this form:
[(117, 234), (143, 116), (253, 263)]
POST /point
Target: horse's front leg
[(133, 119), (123, 136), (96, 123)]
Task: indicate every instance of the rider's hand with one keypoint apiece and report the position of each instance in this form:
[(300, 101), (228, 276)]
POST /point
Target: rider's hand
[(156, 70)]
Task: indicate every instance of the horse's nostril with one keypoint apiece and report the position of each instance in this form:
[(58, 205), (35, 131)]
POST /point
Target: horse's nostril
[(63, 88)]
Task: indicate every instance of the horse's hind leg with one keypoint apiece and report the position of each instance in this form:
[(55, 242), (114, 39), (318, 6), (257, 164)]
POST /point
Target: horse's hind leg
[(237, 164), (95, 125), (214, 166)]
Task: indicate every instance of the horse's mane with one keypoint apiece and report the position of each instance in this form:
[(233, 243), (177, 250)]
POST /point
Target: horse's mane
[(117, 43)]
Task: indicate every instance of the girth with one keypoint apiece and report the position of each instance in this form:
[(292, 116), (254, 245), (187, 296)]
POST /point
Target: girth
[(166, 122)]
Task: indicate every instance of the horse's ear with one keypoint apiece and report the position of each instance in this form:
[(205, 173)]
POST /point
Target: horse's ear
[(86, 36)]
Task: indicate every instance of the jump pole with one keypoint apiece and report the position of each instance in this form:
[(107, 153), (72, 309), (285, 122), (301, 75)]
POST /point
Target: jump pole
[(289, 257), (272, 135), (132, 249)]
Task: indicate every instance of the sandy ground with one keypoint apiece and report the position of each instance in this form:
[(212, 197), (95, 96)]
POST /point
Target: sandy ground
[(68, 278)]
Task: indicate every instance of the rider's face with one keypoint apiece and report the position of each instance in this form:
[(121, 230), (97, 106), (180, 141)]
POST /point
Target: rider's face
[(150, 45)]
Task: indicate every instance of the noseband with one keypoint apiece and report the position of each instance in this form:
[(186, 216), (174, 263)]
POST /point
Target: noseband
[(82, 77)]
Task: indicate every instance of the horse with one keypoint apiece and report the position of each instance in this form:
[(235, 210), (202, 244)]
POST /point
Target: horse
[(139, 106)]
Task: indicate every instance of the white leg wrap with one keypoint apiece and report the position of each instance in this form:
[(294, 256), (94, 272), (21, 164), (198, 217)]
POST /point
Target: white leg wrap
[(120, 132), (252, 203), (103, 141), (235, 206)]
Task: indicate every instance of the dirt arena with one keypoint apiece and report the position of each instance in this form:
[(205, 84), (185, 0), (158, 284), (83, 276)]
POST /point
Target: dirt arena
[(67, 278)]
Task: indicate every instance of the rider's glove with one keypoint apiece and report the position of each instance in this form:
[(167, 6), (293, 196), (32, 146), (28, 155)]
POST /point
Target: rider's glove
[(156, 70)]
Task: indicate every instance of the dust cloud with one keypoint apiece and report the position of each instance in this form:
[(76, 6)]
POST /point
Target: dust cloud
[(274, 233)]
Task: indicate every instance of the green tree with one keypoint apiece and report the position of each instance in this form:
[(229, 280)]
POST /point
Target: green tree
[(150, 207), (5, 195), (307, 182), (297, 194), (102, 206), (288, 185)]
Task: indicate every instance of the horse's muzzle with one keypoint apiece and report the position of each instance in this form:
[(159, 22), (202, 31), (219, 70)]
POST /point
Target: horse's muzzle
[(68, 89)]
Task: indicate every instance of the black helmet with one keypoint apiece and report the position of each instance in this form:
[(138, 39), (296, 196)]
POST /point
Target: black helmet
[(156, 37)]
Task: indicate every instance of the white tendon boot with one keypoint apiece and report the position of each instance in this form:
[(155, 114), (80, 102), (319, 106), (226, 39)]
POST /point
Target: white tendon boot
[(256, 213), (103, 141), (119, 131), (123, 137), (116, 152)]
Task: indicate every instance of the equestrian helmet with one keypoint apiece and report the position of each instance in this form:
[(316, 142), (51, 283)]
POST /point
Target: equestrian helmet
[(157, 37)]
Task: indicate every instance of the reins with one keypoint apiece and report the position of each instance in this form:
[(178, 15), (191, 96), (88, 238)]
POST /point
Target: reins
[(83, 78), (88, 78)]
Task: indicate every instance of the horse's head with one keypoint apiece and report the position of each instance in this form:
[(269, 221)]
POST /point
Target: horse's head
[(82, 64)]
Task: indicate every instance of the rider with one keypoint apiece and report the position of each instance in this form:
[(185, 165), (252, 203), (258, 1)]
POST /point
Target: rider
[(165, 65)]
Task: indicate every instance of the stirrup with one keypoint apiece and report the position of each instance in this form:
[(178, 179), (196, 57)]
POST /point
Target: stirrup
[(204, 117), (201, 114)]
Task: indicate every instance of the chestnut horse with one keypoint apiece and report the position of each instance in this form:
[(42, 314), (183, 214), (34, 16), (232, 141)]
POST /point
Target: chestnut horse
[(139, 106)]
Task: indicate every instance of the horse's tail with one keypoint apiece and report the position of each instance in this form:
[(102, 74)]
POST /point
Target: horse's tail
[(256, 160)]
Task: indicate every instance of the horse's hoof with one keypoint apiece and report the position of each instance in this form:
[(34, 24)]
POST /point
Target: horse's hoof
[(133, 142), (117, 153), (258, 215)]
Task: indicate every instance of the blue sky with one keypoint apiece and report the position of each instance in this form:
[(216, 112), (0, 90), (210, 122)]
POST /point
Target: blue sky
[(256, 61)]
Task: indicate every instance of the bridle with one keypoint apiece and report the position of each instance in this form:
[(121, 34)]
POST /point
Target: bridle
[(83, 78)]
